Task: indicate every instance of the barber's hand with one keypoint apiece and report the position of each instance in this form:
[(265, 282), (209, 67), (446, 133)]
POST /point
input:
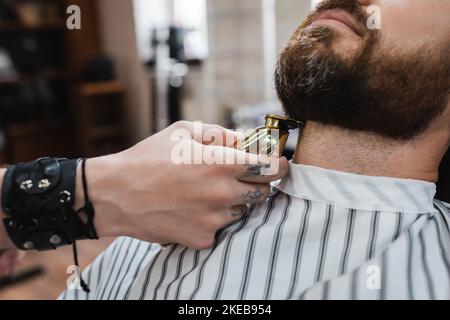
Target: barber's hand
[(144, 193)]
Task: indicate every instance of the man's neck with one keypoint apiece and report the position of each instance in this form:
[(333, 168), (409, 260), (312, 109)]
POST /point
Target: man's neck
[(369, 154)]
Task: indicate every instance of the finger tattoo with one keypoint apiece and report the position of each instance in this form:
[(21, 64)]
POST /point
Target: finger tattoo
[(256, 170), (253, 196), (239, 214)]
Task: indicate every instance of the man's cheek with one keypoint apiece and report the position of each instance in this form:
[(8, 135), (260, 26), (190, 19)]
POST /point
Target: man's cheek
[(407, 23)]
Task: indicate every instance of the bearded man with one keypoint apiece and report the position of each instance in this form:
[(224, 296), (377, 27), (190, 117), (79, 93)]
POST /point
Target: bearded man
[(357, 217)]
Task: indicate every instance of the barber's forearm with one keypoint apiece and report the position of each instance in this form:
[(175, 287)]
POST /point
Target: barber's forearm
[(5, 241), (145, 193)]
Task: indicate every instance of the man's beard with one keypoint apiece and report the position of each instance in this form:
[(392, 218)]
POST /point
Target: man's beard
[(396, 95)]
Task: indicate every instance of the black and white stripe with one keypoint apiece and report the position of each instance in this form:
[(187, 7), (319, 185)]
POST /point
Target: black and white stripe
[(251, 249), (275, 249), (299, 248), (348, 241), (316, 238), (224, 263), (324, 244)]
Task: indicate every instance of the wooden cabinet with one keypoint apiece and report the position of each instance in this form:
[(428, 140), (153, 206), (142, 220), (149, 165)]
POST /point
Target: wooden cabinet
[(100, 118), (79, 121), (32, 140)]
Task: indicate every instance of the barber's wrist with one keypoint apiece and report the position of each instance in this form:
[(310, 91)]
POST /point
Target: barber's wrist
[(101, 175)]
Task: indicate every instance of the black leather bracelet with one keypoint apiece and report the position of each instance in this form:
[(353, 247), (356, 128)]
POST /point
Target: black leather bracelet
[(38, 198)]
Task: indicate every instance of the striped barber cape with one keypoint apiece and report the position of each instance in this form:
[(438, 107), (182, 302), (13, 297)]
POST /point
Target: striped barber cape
[(323, 235)]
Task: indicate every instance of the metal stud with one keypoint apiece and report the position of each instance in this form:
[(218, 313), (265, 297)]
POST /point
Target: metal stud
[(55, 239), (44, 183), (28, 245), (26, 185), (65, 196)]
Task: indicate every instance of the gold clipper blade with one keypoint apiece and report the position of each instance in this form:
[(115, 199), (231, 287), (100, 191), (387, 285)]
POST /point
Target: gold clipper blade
[(271, 138)]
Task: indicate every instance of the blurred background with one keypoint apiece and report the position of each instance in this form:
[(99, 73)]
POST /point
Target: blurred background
[(133, 68)]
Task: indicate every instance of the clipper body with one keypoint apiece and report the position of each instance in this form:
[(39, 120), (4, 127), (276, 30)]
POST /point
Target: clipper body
[(270, 139)]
